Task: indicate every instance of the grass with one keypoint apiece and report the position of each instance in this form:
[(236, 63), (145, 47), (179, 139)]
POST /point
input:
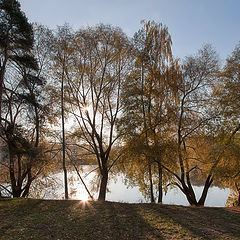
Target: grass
[(72, 219)]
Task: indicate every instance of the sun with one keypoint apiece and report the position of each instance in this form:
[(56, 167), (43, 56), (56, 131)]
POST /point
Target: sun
[(86, 109), (84, 198)]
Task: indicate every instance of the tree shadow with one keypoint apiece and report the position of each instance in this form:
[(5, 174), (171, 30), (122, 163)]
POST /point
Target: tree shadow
[(202, 222), (115, 221), (54, 219)]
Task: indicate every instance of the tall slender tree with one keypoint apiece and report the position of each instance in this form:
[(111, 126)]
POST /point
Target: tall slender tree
[(62, 65)]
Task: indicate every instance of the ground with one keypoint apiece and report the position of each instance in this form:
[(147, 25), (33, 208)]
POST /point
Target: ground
[(72, 219)]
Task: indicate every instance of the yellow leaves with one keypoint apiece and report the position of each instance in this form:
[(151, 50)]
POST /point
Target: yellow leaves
[(233, 199)]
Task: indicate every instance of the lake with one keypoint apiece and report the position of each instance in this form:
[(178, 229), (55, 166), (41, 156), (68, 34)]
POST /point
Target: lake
[(120, 192)]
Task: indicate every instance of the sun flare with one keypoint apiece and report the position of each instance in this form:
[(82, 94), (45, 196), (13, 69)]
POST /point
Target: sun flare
[(86, 109), (84, 198)]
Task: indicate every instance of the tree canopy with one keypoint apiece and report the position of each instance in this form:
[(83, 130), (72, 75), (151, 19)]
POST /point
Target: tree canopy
[(96, 96)]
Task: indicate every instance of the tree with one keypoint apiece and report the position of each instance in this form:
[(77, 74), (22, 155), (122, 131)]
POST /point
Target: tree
[(228, 91), (228, 171), (197, 119), (227, 94), (147, 100), (16, 40), (61, 68), (25, 110), (135, 166), (230, 86), (21, 108), (99, 70)]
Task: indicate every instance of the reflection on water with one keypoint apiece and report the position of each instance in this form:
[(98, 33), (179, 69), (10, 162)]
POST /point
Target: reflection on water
[(119, 192)]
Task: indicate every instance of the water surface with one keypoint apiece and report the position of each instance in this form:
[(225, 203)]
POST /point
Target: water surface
[(120, 192)]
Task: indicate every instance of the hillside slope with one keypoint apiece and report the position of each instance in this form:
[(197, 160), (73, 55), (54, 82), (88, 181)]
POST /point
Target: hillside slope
[(72, 219)]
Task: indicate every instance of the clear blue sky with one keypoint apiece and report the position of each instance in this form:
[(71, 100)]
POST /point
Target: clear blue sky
[(190, 22)]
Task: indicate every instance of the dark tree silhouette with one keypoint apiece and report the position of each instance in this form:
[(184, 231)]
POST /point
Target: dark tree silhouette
[(16, 40)]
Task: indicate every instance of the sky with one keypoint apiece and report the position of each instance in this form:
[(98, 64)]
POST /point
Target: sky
[(191, 23)]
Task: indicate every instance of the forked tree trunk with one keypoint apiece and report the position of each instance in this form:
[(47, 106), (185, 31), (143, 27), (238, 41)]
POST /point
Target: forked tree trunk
[(18, 189), (190, 194), (190, 197), (186, 186)]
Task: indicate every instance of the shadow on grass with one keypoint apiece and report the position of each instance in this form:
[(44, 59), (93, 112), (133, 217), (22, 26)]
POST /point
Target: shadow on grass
[(112, 221), (201, 222), (39, 219), (54, 219)]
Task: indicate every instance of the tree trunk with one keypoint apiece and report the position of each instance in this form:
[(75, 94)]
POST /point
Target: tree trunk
[(1, 94), (19, 175), (63, 142), (191, 199), (190, 195), (12, 174), (160, 183), (2, 74), (207, 185), (103, 185), (84, 184), (151, 183), (28, 184), (37, 126), (16, 192)]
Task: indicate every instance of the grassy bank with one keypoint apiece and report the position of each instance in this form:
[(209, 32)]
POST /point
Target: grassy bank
[(50, 219)]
